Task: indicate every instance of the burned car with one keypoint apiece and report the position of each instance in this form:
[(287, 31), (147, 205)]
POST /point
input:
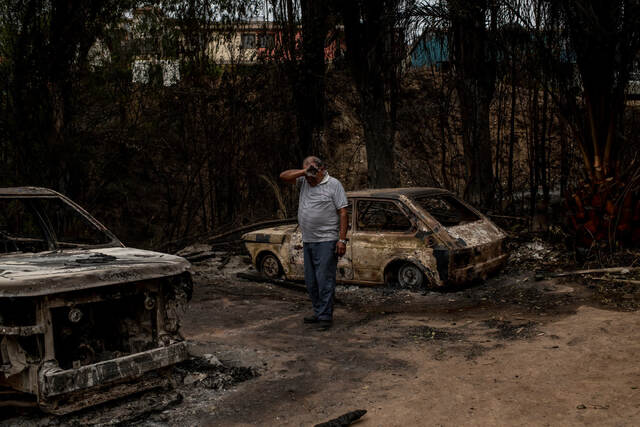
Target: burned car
[(83, 319), (416, 237)]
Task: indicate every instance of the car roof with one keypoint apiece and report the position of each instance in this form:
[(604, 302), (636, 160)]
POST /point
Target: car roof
[(27, 191), (395, 193)]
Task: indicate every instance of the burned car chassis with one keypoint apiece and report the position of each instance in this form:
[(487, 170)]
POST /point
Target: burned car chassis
[(56, 348), (416, 237), (82, 326)]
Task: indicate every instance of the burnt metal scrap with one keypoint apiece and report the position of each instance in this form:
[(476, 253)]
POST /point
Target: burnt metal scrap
[(344, 420), (83, 319), (417, 237)]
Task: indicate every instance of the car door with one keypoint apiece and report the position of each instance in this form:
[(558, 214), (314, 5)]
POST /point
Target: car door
[(382, 232), (296, 255)]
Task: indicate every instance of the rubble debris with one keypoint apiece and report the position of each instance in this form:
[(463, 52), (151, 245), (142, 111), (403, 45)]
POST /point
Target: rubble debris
[(610, 279), (477, 350), (200, 256), (509, 331), (534, 251), (212, 359), (620, 270), (344, 420), (134, 411), (429, 333), (197, 253), (223, 266), (615, 293), (210, 373), (204, 373), (257, 277)]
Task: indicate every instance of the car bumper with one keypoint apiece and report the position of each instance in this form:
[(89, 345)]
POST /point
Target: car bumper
[(478, 270), (55, 383)]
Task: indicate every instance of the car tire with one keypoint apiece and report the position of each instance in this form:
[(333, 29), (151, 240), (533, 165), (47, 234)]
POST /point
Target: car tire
[(410, 276), (270, 266)]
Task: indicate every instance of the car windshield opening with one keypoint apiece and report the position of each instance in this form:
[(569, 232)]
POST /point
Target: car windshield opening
[(44, 223), (447, 210), (20, 228)]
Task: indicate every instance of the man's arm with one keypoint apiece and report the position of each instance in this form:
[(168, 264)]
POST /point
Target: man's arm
[(341, 248), (344, 223), (290, 176)]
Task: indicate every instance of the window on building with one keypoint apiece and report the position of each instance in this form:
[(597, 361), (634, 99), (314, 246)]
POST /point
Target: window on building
[(248, 41), (374, 215), (266, 41), (146, 46)]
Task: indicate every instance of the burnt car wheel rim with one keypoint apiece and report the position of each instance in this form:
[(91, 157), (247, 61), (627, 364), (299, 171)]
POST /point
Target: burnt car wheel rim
[(270, 266), (410, 275)]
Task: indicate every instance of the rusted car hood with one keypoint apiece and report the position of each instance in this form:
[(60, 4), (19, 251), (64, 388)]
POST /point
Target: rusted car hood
[(61, 271), (270, 235)]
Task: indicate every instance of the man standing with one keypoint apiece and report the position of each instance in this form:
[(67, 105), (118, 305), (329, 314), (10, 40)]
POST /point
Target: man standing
[(322, 217)]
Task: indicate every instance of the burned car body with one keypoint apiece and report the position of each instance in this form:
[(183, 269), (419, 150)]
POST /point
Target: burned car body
[(417, 237), (83, 319)]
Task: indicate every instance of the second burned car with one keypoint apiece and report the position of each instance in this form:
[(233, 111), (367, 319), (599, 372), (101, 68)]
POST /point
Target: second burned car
[(416, 237), (83, 319)]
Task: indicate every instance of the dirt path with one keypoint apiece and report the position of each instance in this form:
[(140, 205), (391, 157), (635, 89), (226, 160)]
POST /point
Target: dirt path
[(512, 351)]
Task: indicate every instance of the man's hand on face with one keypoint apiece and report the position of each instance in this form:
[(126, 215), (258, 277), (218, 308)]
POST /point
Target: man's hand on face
[(341, 248), (311, 170), (312, 174)]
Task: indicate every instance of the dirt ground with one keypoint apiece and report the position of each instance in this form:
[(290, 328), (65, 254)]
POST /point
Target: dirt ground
[(518, 349)]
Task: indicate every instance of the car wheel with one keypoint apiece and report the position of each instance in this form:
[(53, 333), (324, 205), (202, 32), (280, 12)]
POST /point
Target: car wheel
[(270, 266), (410, 276)]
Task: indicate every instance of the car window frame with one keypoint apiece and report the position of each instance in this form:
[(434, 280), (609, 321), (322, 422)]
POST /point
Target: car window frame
[(47, 232), (52, 241), (481, 216), (351, 226), (404, 209)]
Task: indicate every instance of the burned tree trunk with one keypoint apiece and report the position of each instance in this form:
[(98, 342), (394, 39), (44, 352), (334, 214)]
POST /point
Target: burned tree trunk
[(310, 92), (374, 50), (473, 58), (476, 141), (304, 64)]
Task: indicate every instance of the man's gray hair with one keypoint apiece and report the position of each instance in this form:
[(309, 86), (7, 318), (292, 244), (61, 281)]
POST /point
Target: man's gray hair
[(315, 160)]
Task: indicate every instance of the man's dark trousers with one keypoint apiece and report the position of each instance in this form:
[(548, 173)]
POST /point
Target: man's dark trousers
[(320, 263)]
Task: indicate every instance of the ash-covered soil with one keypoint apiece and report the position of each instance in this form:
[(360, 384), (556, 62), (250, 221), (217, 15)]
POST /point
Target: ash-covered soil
[(523, 347)]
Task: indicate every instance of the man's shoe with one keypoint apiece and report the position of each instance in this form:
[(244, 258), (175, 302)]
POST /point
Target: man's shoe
[(323, 325), (311, 319)]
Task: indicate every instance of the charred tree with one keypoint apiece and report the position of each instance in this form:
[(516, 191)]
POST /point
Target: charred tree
[(310, 90), (605, 40), (604, 36), (374, 50), (305, 25), (474, 63), (45, 47)]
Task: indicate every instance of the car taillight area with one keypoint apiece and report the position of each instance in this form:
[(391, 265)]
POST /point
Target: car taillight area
[(477, 254)]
